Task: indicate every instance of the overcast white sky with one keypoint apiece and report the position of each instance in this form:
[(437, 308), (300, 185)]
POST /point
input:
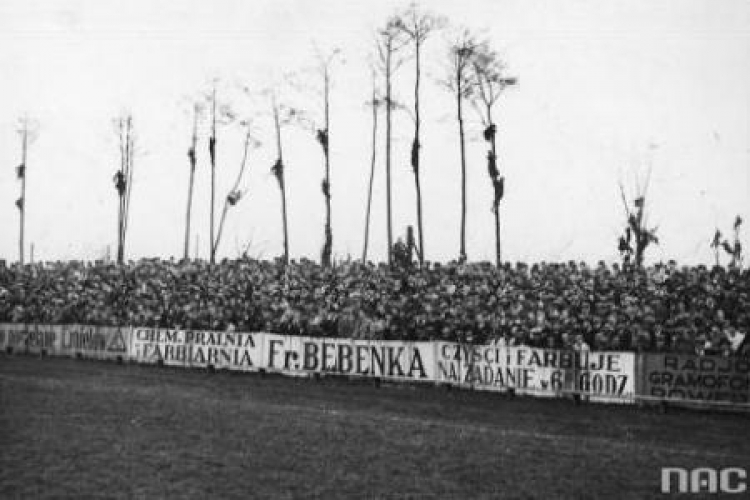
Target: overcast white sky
[(606, 89)]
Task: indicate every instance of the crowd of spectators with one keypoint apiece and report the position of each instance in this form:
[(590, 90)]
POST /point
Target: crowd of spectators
[(663, 308)]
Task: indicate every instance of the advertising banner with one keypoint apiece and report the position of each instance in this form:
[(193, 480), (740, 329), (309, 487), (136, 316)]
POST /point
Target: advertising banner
[(409, 361), (594, 376), (222, 350), (600, 376), (95, 342), (5, 329), (696, 378), (153, 345), (45, 338), (5, 333), (32, 338), (13, 336)]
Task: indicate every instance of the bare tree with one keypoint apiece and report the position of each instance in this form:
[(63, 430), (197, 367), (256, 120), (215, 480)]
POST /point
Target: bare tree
[(715, 246), (212, 154), (221, 114), (27, 129), (418, 26), (323, 136), (491, 81), (235, 194), (317, 120), (278, 171), (192, 157), (123, 178), (638, 236), (389, 44), (461, 81), (374, 103), (734, 249)]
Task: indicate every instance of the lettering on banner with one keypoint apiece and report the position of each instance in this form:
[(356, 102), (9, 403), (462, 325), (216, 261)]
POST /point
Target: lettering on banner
[(83, 338), (220, 349), (15, 336), (605, 374), (398, 360), (699, 378), (34, 338), (94, 341)]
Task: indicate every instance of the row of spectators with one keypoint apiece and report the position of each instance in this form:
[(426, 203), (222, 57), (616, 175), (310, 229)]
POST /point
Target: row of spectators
[(662, 308)]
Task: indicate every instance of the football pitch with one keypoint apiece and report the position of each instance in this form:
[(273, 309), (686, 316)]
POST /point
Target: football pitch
[(83, 429)]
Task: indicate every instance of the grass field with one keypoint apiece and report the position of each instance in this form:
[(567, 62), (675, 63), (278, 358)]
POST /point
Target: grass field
[(81, 429)]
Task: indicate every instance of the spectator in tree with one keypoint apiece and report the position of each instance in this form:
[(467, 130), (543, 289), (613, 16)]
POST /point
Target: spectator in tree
[(411, 244), (401, 254), (120, 182)]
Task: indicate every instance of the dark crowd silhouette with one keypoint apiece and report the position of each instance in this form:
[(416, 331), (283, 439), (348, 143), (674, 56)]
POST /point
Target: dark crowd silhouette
[(661, 308)]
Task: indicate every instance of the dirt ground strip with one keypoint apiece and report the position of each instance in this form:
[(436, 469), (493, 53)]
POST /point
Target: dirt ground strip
[(82, 429)]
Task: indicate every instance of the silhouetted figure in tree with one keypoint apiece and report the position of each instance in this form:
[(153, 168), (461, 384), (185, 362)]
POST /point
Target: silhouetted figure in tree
[(637, 237), (715, 245), (412, 244), (234, 197), (121, 184), (734, 249), (405, 252), (489, 133), (625, 248), (278, 171), (401, 255), (322, 136)]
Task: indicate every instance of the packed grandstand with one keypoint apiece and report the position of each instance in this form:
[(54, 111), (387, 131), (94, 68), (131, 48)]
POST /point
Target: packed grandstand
[(662, 308)]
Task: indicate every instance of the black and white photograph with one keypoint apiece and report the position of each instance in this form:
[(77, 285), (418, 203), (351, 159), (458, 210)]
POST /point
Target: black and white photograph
[(377, 249)]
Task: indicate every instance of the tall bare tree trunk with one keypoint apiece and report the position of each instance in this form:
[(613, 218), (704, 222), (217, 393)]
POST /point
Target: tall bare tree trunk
[(120, 234), (126, 177), (131, 154), (389, 50), (120, 252), (639, 248), (416, 146), (372, 169), (641, 237), (212, 151), (22, 206), (462, 138), (286, 227), (328, 245), (192, 157), (234, 194), (498, 250), (127, 159), (282, 183), (493, 143), (120, 193)]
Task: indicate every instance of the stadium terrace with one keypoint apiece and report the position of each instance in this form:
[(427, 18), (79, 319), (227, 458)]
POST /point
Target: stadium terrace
[(660, 309)]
